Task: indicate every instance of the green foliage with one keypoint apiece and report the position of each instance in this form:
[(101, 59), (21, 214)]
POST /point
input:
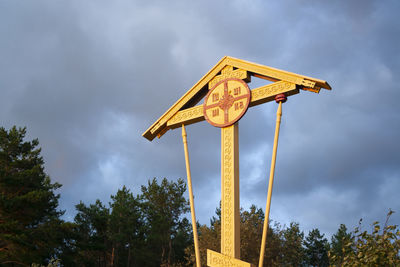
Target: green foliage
[(381, 247), (149, 229), (163, 206), (209, 238), (91, 233), (251, 228), (339, 247), (126, 229), (30, 224), (316, 249), (111, 236), (293, 252), (146, 230)]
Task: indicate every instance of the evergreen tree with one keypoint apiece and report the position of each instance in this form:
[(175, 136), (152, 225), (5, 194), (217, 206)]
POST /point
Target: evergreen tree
[(209, 238), (251, 227), (91, 232), (316, 249), (273, 247), (126, 229), (163, 205), (340, 245), (293, 250), (182, 240), (29, 219)]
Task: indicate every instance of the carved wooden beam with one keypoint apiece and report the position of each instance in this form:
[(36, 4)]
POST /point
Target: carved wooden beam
[(259, 95)]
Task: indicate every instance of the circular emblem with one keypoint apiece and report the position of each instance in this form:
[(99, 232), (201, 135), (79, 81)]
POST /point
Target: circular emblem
[(226, 102)]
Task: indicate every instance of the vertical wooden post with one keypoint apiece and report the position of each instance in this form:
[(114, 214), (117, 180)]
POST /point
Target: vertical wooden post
[(230, 210), (189, 179)]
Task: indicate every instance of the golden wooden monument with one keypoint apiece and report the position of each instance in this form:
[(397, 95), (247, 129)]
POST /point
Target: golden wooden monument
[(226, 99)]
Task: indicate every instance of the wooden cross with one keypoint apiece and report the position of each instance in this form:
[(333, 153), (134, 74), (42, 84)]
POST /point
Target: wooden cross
[(227, 98)]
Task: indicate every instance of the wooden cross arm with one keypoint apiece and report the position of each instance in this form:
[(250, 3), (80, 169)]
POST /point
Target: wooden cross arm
[(259, 95)]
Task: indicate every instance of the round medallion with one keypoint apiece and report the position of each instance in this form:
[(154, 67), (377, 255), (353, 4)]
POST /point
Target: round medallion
[(226, 102)]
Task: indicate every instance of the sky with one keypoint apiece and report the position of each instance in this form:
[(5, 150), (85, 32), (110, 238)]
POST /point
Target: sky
[(87, 78)]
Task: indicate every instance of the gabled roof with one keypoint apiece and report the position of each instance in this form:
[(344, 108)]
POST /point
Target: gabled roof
[(200, 89)]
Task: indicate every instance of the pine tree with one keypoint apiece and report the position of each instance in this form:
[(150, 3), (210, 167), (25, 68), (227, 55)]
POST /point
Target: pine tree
[(126, 229), (251, 227), (163, 205), (316, 249), (339, 245), (29, 219), (92, 246), (293, 250)]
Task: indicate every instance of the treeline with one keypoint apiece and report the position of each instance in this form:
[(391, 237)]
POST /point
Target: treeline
[(143, 230), (150, 229)]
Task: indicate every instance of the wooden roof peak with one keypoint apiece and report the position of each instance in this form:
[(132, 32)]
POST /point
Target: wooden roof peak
[(238, 68)]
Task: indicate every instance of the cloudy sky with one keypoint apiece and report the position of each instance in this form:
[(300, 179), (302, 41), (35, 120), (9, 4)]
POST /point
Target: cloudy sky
[(87, 78)]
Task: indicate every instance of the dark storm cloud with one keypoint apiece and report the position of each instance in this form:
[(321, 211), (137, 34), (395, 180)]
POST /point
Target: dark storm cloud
[(337, 149), (87, 78)]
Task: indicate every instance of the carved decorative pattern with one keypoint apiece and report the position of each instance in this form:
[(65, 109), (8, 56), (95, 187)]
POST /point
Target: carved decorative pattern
[(270, 72), (227, 194), (233, 68), (257, 94), (222, 97), (271, 90), (187, 114), (215, 259), (228, 72)]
